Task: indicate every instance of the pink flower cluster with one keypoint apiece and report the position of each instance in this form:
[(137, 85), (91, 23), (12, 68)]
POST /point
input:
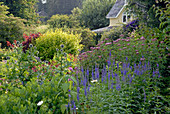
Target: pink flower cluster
[(109, 43)]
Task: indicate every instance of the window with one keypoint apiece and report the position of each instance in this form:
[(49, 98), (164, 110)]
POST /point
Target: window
[(126, 17), (44, 1)]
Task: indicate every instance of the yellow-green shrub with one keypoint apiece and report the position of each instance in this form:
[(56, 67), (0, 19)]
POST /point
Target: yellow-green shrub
[(60, 21), (50, 41), (86, 34)]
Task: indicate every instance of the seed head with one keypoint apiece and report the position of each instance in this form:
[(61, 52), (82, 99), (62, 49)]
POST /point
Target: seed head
[(7, 57), (17, 42), (30, 45), (62, 46), (57, 49)]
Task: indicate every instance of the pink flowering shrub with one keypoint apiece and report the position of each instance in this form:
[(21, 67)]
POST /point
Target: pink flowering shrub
[(135, 49)]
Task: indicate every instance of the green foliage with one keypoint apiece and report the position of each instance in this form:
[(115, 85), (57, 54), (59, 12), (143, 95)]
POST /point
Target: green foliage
[(24, 9), (53, 7), (93, 13), (60, 21), (12, 28), (50, 41), (28, 85), (144, 10), (86, 35), (143, 43), (113, 34), (121, 89), (163, 14)]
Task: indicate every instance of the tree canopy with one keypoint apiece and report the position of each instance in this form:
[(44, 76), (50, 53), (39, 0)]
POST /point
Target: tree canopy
[(93, 13), (26, 9), (144, 9)]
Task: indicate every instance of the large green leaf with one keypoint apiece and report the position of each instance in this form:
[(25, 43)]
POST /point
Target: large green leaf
[(65, 87), (63, 108)]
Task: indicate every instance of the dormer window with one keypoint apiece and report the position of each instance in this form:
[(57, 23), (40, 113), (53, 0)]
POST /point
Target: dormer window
[(125, 17), (44, 1)]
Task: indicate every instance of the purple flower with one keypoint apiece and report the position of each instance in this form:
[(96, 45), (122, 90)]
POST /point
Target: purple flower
[(70, 68), (98, 48), (142, 38), (154, 39), (112, 86), (87, 72), (110, 54), (88, 89), (74, 106), (109, 63), (108, 79), (142, 59), (153, 74), (108, 43), (92, 74), (78, 97), (123, 78), (117, 66), (122, 35), (124, 47), (118, 87), (82, 70), (126, 58), (102, 75), (85, 91)]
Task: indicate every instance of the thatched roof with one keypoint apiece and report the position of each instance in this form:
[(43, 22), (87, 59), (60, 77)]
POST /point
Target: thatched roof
[(116, 9)]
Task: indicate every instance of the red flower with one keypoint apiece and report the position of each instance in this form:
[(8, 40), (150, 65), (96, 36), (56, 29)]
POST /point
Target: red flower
[(15, 41), (8, 43), (57, 65)]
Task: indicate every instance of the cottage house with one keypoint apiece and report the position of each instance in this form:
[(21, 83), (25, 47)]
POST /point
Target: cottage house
[(117, 16)]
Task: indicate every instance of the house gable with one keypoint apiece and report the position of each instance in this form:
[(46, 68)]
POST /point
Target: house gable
[(116, 9)]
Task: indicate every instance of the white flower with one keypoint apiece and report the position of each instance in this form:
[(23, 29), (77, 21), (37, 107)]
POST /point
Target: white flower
[(93, 81), (40, 103)]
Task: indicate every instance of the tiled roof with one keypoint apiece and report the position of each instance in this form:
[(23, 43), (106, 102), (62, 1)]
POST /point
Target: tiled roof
[(116, 9)]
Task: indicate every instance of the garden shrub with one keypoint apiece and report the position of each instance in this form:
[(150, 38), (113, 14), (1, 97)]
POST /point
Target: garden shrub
[(132, 25), (113, 34), (135, 48), (116, 32), (50, 41), (60, 21), (86, 35), (12, 28)]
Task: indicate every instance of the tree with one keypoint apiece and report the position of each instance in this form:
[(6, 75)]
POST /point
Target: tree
[(93, 13), (144, 10), (26, 9), (12, 28)]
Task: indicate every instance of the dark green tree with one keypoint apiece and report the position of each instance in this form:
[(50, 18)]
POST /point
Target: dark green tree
[(144, 10), (26, 9), (11, 28), (93, 13)]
